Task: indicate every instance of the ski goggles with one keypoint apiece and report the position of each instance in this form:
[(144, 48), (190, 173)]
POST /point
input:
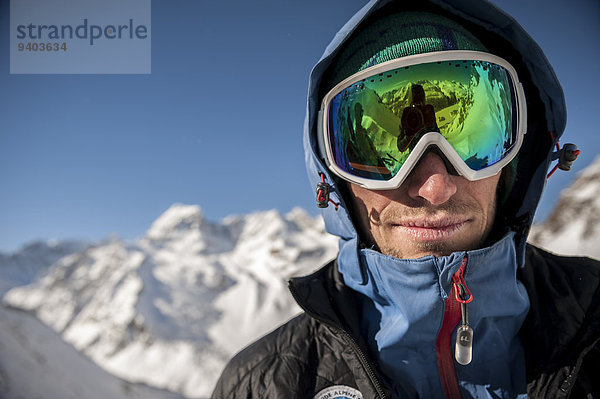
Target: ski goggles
[(375, 125)]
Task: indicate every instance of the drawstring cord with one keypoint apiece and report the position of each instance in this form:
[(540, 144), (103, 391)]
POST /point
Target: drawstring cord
[(463, 349), (323, 190), (565, 155)]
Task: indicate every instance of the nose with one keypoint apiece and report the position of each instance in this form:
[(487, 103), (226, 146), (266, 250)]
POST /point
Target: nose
[(430, 180)]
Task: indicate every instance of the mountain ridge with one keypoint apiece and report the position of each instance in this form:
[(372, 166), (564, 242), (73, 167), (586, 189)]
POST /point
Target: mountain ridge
[(573, 227), (188, 294)]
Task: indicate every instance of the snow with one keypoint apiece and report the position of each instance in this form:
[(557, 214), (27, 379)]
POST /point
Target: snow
[(36, 363), (170, 309), (573, 228), (175, 218)]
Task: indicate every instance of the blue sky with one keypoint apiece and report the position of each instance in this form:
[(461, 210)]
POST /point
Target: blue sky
[(218, 121)]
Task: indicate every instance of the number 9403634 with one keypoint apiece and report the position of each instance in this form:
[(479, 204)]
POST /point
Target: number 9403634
[(42, 46)]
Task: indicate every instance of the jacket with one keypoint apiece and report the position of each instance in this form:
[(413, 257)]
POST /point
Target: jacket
[(323, 347)]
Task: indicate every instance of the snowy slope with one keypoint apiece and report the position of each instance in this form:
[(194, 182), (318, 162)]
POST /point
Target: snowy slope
[(36, 363), (170, 309), (573, 228)]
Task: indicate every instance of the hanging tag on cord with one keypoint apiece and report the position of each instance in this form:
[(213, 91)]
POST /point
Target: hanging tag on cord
[(463, 350)]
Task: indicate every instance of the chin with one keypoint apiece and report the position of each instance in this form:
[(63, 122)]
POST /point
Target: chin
[(422, 249)]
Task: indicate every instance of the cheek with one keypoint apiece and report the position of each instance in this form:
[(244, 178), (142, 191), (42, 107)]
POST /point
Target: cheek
[(369, 203), (366, 207), (484, 192)]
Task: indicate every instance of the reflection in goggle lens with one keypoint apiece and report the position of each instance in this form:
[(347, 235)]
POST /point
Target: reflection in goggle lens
[(376, 122)]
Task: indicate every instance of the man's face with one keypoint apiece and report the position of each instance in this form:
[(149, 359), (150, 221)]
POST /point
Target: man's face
[(431, 213)]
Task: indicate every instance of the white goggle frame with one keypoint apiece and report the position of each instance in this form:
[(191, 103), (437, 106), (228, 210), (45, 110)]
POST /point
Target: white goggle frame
[(428, 139)]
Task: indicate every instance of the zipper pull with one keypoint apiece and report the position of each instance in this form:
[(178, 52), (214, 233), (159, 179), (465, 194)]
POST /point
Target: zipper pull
[(463, 350)]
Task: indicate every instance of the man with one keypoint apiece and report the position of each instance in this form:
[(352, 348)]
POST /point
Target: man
[(434, 292)]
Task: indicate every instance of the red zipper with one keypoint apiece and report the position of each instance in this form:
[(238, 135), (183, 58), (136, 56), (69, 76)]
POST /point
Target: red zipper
[(443, 344)]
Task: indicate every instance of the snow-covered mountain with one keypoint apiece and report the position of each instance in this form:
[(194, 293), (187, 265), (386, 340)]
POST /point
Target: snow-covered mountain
[(573, 227), (170, 309), (25, 265)]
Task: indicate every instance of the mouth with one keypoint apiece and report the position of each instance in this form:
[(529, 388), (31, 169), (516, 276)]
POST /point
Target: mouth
[(431, 229)]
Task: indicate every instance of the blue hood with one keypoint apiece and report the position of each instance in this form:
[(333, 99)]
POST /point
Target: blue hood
[(545, 103)]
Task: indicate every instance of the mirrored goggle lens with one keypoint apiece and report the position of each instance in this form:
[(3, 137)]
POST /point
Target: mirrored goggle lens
[(375, 123)]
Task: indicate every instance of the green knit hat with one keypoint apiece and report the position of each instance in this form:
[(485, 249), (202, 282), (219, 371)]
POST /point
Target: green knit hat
[(399, 35)]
